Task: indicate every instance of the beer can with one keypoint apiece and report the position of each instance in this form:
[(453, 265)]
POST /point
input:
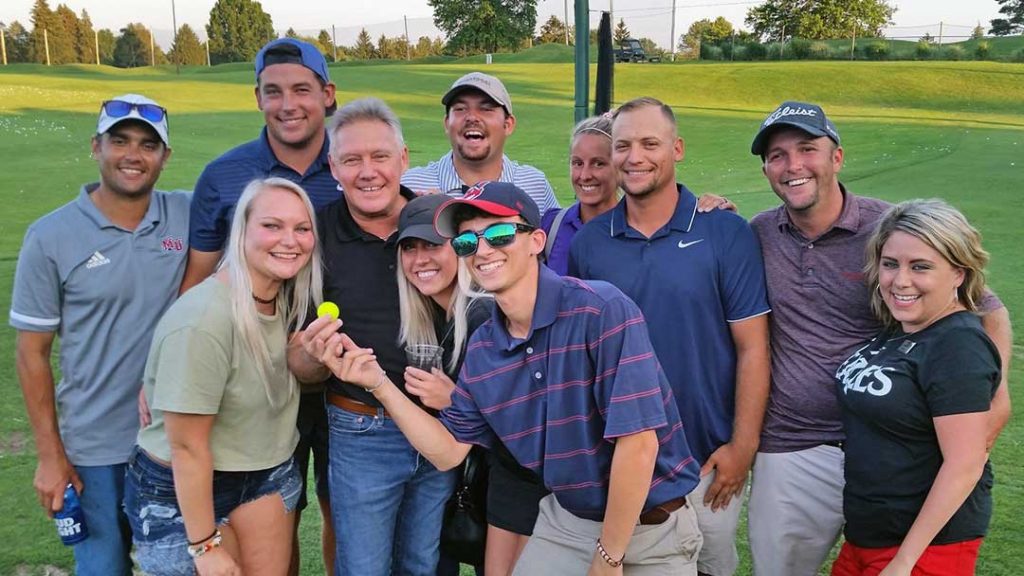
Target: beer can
[(70, 520)]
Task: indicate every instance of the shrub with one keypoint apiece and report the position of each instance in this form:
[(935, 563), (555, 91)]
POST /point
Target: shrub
[(754, 51), (983, 50), (1018, 56), (773, 49), (924, 50), (877, 50), (953, 53), (710, 52), (798, 49), (820, 51)]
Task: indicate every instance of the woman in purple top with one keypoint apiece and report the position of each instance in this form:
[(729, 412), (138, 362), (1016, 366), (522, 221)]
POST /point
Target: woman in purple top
[(595, 183)]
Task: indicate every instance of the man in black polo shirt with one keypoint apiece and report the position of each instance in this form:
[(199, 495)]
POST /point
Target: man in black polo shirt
[(383, 492)]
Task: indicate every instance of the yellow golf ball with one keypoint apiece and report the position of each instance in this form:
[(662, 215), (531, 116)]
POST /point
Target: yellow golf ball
[(328, 309)]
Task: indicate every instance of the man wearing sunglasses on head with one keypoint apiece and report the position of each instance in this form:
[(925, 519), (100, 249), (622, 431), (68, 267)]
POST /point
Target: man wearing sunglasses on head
[(565, 376), (98, 272), (295, 94)]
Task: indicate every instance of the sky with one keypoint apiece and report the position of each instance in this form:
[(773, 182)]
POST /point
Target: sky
[(650, 18)]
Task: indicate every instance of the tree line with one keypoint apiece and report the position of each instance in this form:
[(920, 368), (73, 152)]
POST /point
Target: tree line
[(238, 28)]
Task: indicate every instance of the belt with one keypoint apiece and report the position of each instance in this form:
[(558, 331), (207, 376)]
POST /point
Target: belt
[(346, 403), (835, 444), (660, 513)]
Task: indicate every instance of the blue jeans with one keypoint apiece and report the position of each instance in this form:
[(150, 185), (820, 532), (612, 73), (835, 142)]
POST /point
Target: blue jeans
[(387, 501), (105, 551)]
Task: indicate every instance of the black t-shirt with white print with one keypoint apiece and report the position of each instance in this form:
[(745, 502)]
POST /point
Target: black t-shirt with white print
[(890, 390)]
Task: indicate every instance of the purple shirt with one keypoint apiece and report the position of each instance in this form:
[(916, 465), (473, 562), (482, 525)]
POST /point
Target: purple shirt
[(821, 313), (558, 259), (585, 375)]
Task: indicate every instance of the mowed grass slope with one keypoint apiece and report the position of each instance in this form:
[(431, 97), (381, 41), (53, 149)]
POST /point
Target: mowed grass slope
[(934, 129)]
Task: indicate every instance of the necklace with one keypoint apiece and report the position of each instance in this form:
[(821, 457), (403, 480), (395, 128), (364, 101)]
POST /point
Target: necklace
[(267, 301)]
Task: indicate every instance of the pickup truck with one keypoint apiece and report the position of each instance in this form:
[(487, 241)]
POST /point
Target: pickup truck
[(630, 50)]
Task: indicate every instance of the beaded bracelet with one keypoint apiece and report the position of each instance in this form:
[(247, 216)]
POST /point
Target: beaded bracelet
[(607, 558), (197, 550)]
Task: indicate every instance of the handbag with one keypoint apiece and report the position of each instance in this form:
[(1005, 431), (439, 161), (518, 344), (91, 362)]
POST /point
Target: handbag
[(464, 531)]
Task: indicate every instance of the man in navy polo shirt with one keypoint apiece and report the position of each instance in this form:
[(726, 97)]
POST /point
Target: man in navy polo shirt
[(98, 273), (814, 248), (295, 94), (565, 376), (699, 280)]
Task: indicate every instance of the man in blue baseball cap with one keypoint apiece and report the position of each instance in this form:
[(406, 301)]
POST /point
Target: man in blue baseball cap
[(295, 94)]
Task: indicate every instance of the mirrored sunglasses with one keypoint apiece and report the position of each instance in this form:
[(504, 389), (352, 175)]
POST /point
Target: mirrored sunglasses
[(120, 109), (497, 235)]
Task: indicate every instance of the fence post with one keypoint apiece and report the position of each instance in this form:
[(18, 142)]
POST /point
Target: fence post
[(96, 44), (940, 34), (46, 44), (152, 52), (3, 45), (334, 43), (207, 52)]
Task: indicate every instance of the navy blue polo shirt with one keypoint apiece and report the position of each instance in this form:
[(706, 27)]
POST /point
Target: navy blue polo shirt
[(221, 184), (691, 278), (584, 375)]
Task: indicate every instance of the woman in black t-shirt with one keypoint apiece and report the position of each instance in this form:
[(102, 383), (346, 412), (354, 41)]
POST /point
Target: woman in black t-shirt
[(915, 402)]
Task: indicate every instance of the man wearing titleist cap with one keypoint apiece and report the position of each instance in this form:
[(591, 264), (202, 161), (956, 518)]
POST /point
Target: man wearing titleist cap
[(814, 252), (478, 119), (699, 280), (99, 272), (295, 94), (564, 375)]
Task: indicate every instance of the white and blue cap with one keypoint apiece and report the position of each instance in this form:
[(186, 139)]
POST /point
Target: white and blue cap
[(807, 117), (133, 107)]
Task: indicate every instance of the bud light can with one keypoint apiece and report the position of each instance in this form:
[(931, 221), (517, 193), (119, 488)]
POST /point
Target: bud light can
[(70, 520)]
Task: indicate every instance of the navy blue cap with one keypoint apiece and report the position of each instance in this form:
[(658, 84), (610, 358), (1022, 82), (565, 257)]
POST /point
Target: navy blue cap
[(417, 218), (807, 117), (497, 198), (294, 51)]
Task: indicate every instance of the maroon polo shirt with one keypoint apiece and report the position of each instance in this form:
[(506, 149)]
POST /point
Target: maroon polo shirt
[(821, 313)]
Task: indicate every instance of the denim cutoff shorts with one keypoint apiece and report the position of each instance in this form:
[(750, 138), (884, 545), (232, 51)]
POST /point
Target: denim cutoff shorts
[(158, 528)]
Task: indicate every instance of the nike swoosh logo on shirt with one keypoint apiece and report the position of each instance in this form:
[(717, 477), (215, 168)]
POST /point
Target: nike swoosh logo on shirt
[(688, 244)]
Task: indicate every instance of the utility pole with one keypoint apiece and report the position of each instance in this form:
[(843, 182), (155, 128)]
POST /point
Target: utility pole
[(207, 52), (853, 41), (732, 52), (611, 18), (3, 44), (408, 47), (782, 40), (46, 44), (96, 43), (672, 40), (174, 22), (940, 34), (566, 21), (334, 43)]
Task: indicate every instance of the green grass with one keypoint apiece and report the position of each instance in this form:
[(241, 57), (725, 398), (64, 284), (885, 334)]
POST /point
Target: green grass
[(951, 130)]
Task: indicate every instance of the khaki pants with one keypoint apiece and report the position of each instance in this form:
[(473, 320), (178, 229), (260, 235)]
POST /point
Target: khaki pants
[(564, 545), (718, 556)]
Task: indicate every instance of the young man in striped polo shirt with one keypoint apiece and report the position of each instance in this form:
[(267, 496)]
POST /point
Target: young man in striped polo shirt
[(478, 119), (565, 376)]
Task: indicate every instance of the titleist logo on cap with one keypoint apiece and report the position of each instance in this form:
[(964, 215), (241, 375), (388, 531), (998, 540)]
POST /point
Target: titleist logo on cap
[(788, 111)]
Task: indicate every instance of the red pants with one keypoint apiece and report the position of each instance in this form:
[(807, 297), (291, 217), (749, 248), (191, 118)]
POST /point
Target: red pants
[(939, 560)]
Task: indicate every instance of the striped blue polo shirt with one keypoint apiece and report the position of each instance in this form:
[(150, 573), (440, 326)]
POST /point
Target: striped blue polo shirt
[(221, 184), (585, 375), (442, 176)]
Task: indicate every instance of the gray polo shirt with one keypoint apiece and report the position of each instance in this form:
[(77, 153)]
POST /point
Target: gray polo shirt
[(102, 289), (821, 312)]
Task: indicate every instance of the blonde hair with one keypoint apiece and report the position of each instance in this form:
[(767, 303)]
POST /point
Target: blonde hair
[(417, 316), (594, 125), (294, 299), (941, 227)]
